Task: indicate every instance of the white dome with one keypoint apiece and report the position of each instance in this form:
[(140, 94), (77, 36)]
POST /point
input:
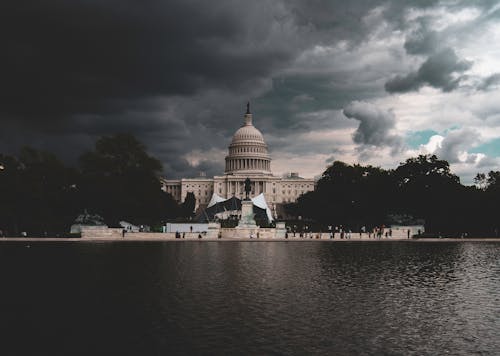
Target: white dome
[(247, 133), (248, 151)]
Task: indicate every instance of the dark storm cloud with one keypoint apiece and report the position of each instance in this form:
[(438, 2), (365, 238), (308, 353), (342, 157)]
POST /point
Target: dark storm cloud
[(177, 73), (91, 56), (375, 126), (442, 70), (456, 143), (489, 82), (422, 41), (81, 56), (96, 68)]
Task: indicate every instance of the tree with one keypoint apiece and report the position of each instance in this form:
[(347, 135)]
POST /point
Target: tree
[(120, 182), (481, 181), (426, 188), (352, 195), (10, 206), (421, 187), (493, 181), (38, 194)]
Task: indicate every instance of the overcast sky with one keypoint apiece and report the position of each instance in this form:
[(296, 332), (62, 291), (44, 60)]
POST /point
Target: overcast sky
[(371, 82)]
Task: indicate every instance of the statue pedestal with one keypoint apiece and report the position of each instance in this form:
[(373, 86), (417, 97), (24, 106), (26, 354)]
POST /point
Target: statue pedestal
[(213, 230), (280, 231), (247, 220)]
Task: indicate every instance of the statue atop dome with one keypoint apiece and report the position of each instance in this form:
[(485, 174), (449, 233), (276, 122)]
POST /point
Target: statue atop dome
[(248, 108)]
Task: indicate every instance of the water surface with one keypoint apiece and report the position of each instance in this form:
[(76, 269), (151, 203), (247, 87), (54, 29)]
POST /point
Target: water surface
[(297, 298)]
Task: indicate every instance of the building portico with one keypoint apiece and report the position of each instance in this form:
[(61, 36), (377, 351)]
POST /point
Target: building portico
[(247, 157)]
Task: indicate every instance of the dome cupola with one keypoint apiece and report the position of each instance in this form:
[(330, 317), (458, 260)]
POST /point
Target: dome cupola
[(248, 150)]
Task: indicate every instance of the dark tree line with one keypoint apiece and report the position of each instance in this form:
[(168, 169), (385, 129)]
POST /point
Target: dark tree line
[(117, 180), (422, 188)]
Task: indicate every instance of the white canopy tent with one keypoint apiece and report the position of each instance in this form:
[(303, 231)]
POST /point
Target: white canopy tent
[(259, 201), (215, 199)]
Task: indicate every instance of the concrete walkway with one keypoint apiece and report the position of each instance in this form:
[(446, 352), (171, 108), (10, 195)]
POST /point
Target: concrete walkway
[(130, 237)]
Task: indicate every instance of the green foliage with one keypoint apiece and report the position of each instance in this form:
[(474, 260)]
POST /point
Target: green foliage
[(119, 181), (493, 181), (422, 187), (37, 193), (425, 187), (117, 156), (351, 194)]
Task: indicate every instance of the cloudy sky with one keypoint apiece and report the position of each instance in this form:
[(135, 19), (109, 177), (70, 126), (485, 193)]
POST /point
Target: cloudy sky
[(371, 82)]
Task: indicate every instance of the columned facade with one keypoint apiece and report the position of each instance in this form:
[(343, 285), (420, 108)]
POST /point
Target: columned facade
[(247, 157)]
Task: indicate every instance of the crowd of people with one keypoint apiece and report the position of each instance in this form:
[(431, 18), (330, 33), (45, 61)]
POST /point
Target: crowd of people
[(377, 232)]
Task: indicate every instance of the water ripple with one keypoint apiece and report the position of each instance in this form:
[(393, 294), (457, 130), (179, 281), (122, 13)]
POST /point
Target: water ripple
[(295, 298)]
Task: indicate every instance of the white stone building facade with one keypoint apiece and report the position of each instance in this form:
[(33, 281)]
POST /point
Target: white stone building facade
[(247, 157)]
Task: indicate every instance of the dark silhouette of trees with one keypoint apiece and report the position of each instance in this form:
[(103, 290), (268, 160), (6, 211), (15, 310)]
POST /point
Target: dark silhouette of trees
[(490, 181), (422, 187), (37, 192), (351, 195), (487, 207), (425, 187), (119, 181)]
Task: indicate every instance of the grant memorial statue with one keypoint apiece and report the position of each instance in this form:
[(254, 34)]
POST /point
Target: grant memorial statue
[(247, 216)]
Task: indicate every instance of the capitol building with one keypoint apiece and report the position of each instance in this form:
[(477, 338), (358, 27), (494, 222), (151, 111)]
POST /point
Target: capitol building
[(247, 157)]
